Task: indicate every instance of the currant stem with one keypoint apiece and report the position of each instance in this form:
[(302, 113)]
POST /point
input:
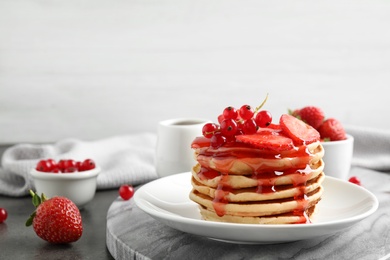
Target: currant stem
[(261, 105)]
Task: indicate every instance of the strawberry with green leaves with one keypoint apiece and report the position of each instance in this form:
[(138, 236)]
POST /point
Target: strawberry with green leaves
[(56, 220)]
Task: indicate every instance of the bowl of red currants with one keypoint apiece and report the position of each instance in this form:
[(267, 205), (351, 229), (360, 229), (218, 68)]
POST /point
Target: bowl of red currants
[(75, 180)]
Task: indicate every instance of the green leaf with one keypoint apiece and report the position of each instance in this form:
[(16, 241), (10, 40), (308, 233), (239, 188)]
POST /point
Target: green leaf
[(30, 219), (36, 200)]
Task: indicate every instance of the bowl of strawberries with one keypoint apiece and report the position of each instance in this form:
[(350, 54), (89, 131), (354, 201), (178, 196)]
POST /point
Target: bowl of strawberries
[(338, 145), (75, 180)]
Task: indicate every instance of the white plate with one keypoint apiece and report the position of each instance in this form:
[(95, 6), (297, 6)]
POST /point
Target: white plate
[(343, 204)]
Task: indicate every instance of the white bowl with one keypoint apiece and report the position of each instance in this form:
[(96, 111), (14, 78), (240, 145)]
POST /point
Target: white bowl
[(79, 187), (338, 157)]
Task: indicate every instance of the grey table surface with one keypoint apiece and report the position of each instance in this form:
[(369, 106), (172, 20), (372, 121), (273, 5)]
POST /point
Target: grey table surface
[(20, 242)]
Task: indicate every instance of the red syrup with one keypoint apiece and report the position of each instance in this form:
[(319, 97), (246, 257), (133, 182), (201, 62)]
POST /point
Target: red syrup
[(220, 197), (299, 182), (207, 174)]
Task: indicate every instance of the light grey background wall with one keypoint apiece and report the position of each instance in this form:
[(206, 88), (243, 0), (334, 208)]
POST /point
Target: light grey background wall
[(92, 69)]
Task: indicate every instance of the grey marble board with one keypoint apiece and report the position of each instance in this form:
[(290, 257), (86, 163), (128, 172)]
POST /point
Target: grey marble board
[(132, 234)]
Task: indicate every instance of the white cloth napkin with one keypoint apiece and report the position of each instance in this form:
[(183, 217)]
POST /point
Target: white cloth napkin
[(124, 159), (371, 148)]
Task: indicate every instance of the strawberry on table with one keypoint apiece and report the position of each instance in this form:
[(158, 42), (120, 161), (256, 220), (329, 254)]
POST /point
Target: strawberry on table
[(56, 220)]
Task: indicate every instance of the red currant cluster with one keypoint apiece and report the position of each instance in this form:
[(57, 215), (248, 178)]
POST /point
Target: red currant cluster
[(234, 122), (65, 166)]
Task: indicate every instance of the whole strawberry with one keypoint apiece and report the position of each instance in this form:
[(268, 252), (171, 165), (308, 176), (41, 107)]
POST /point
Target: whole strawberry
[(332, 130), (56, 220), (312, 115)]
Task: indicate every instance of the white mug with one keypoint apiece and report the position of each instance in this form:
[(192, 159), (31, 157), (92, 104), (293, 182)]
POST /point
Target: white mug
[(174, 138)]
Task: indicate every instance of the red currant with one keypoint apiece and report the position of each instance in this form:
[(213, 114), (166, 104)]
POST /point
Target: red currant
[(126, 191), (239, 131), (263, 118), (61, 165), (228, 127), (44, 166), (52, 163), (88, 164), (78, 165), (209, 129), (217, 140), (230, 113), (3, 215), (220, 118), (249, 127), (67, 165), (246, 112), (355, 180)]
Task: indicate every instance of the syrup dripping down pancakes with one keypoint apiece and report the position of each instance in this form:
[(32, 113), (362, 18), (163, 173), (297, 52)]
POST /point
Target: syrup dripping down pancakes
[(271, 177)]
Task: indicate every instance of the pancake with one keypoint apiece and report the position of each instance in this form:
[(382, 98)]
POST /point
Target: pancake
[(275, 219), (258, 181), (257, 208), (295, 177), (253, 193)]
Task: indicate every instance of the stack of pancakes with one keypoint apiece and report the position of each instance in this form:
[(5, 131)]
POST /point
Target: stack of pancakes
[(242, 184)]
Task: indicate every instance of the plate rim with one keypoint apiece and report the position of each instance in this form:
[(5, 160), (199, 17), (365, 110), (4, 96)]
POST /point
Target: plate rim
[(170, 219)]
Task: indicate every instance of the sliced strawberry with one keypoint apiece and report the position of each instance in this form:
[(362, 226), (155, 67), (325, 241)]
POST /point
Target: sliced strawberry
[(267, 141), (267, 131), (298, 131), (274, 127)]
